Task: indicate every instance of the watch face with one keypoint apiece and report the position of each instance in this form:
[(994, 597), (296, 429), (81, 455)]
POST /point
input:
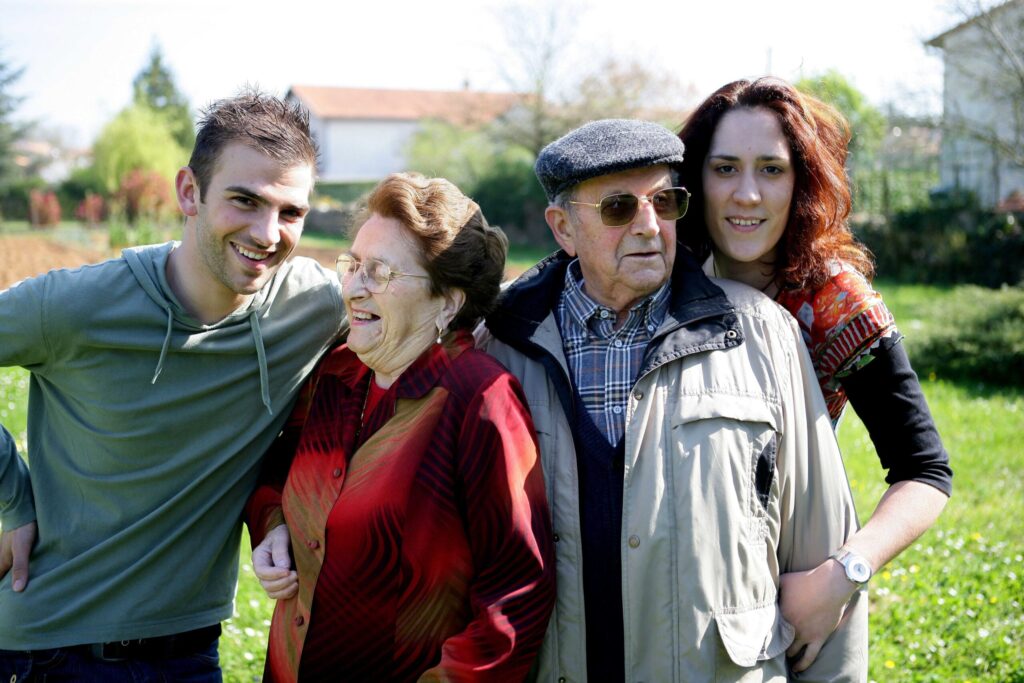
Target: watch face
[(858, 570)]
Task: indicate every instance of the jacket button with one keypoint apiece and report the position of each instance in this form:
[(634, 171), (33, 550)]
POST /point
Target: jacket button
[(555, 538), (336, 472), (313, 545), (634, 541), (300, 620), (731, 334), (638, 395)]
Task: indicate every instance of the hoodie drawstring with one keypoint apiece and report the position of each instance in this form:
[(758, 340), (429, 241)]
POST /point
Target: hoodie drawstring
[(261, 356), (166, 345)]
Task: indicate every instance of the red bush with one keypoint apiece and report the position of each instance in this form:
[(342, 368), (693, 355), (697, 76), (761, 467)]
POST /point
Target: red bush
[(143, 194), (43, 208), (92, 209)]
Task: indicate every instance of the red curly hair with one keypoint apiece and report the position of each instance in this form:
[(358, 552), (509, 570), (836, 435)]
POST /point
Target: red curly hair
[(817, 233)]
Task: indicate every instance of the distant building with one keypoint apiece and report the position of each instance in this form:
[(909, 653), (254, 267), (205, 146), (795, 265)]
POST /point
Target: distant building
[(983, 104), (364, 133)]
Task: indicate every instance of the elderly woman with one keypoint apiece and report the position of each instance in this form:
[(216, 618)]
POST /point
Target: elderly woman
[(770, 202), (414, 505)]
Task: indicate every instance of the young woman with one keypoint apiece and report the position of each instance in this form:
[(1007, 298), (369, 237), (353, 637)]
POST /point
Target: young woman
[(770, 200)]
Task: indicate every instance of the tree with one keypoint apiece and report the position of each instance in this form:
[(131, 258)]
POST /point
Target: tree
[(536, 40), (154, 87), (866, 122), (138, 138), (442, 149), (10, 131)]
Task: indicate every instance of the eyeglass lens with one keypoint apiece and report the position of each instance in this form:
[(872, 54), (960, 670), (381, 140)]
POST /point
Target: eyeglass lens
[(376, 274), (669, 204)]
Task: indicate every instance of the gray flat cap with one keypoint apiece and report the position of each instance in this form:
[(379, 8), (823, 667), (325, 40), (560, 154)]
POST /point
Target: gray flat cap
[(603, 147)]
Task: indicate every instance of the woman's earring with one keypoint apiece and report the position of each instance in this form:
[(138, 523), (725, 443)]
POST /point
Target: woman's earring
[(440, 332)]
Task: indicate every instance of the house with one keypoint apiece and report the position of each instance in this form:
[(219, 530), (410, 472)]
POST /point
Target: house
[(363, 133), (983, 104)]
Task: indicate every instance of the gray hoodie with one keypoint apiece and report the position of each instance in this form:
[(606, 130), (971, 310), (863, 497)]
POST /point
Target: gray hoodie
[(146, 430)]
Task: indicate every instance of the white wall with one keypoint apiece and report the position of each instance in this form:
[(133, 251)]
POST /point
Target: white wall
[(972, 95), (355, 151)]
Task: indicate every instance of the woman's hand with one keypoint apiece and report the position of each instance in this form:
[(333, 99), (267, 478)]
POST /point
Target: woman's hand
[(272, 564), (814, 602)]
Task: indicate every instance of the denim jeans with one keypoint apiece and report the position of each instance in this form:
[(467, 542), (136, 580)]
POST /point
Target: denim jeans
[(77, 664)]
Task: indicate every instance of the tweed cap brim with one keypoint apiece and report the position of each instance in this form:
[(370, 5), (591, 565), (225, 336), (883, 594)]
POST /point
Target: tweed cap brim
[(602, 147)]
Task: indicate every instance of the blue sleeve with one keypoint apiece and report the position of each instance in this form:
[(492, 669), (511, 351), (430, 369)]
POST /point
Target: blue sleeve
[(21, 324)]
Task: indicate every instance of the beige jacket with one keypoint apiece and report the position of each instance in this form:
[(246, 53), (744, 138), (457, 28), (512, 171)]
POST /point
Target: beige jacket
[(728, 385)]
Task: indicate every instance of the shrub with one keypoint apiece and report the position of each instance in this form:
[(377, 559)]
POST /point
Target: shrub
[(14, 199), (91, 210), (143, 194), (44, 209), (950, 241), (982, 338)]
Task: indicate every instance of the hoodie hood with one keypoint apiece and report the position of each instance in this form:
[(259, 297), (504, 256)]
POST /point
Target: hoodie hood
[(149, 266)]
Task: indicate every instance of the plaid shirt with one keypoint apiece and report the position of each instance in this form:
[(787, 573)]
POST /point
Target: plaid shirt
[(604, 361)]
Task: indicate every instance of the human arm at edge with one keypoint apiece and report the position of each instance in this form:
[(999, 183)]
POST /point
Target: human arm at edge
[(17, 514), (818, 516)]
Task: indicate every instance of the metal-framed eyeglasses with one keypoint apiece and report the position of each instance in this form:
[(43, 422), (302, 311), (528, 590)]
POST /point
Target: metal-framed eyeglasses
[(376, 274), (621, 208)]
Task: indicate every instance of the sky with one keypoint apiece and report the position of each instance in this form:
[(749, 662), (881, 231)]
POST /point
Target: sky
[(80, 56)]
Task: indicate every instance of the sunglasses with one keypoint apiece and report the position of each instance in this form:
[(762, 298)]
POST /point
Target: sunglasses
[(620, 209), (377, 275)]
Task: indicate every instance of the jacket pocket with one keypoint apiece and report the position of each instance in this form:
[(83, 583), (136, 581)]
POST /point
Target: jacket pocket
[(731, 442), (753, 635)]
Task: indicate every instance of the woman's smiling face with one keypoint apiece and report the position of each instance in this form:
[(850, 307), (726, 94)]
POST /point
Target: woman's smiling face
[(748, 181), (390, 329)]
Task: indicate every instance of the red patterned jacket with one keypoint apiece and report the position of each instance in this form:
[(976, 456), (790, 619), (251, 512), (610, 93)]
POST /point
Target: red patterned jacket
[(422, 538)]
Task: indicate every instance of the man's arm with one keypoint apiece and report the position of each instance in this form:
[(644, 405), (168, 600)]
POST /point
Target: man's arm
[(17, 513), (818, 516)]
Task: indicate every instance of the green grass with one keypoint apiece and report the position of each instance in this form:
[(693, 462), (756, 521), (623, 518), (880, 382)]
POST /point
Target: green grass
[(948, 609)]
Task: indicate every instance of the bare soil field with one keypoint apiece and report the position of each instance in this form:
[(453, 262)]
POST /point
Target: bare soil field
[(23, 256)]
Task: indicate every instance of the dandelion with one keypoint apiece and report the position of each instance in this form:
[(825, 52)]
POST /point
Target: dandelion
[(993, 600), (914, 569), (889, 664), (886, 575), (976, 536)]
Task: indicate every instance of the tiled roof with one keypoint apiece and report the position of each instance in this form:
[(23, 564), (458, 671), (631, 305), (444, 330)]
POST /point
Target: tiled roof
[(455, 106)]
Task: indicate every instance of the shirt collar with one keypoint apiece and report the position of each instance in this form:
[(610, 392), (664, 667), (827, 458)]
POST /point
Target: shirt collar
[(583, 309)]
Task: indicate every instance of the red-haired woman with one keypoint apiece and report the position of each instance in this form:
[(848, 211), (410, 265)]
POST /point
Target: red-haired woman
[(766, 166)]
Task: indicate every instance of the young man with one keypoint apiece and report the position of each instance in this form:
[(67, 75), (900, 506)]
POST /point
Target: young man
[(686, 447), (158, 380)]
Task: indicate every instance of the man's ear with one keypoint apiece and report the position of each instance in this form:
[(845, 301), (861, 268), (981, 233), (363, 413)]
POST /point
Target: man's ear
[(562, 228), (187, 188)]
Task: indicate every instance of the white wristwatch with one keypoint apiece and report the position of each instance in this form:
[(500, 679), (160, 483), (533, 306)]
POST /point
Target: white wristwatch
[(858, 570)]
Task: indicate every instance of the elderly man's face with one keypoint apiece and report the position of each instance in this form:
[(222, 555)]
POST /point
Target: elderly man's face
[(620, 265)]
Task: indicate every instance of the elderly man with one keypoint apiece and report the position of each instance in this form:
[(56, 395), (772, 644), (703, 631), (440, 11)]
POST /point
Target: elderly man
[(158, 380), (687, 450)]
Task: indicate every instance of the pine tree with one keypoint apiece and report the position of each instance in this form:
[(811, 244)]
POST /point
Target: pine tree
[(154, 87), (10, 130)]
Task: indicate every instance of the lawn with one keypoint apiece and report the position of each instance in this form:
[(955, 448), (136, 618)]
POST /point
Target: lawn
[(948, 609)]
